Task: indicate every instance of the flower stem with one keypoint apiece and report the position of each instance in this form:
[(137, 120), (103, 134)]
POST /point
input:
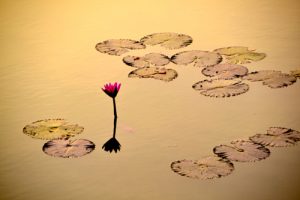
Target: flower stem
[(115, 108)]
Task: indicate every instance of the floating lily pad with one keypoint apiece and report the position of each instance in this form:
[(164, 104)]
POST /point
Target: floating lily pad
[(49, 129), (68, 148), (167, 40), (155, 59), (273, 79), (296, 73), (118, 46), (207, 168), (221, 87), (277, 137), (155, 73), (240, 55), (225, 71), (200, 58), (242, 151)]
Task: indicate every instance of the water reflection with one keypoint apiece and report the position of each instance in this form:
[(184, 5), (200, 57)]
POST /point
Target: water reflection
[(112, 144)]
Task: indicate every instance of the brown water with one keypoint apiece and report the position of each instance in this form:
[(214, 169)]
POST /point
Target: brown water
[(50, 69)]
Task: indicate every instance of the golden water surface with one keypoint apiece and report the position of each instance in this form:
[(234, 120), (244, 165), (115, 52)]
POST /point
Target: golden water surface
[(50, 69)]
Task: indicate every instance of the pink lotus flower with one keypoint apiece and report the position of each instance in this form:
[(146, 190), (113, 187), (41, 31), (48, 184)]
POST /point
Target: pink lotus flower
[(112, 89)]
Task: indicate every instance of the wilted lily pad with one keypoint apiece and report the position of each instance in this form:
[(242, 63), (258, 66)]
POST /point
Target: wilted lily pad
[(240, 55), (277, 137), (118, 46), (68, 148), (221, 87), (242, 151), (296, 73), (155, 59), (273, 79), (49, 129), (200, 58), (225, 71), (155, 73), (167, 40), (206, 168)]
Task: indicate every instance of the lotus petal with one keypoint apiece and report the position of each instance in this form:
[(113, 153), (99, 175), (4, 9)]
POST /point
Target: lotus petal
[(68, 148), (200, 58), (52, 129), (118, 46), (206, 168), (225, 71), (242, 151), (167, 40), (155, 73), (155, 59), (277, 137), (221, 88)]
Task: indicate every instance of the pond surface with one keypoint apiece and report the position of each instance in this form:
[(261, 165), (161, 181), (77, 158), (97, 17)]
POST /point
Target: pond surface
[(50, 69)]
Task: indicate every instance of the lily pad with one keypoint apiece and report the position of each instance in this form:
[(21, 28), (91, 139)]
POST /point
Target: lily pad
[(225, 71), (155, 59), (155, 73), (167, 40), (240, 55), (206, 168), (277, 137), (273, 79), (118, 47), (68, 148), (199, 58), (242, 151), (221, 87), (296, 73), (49, 129)]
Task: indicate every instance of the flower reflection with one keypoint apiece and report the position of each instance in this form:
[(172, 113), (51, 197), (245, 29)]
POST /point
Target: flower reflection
[(112, 145), (112, 89)]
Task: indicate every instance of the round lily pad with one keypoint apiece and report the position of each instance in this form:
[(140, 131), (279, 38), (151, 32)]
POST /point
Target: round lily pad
[(167, 40), (118, 46), (242, 151), (155, 59), (52, 129), (296, 73), (155, 73), (225, 71), (68, 148), (273, 79), (221, 87), (199, 58), (277, 137), (240, 55), (206, 168)]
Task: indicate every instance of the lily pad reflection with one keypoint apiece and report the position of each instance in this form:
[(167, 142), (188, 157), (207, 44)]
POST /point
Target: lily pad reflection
[(206, 168), (221, 88), (52, 129), (277, 137), (118, 46), (68, 148), (155, 59), (155, 73), (198, 57), (242, 151), (167, 40), (225, 71)]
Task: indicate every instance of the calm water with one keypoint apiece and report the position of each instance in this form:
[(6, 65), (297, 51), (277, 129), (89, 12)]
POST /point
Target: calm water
[(50, 69)]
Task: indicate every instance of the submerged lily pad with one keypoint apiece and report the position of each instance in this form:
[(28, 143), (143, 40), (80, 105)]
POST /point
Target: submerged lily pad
[(240, 55), (242, 151), (68, 148), (277, 137), (168, 40), (296, 73), (225, 71), (206, 168), (52, 129), (155, 59), (273, 79), (155, 73), (221, 87), (200, 58), (118, 46)]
